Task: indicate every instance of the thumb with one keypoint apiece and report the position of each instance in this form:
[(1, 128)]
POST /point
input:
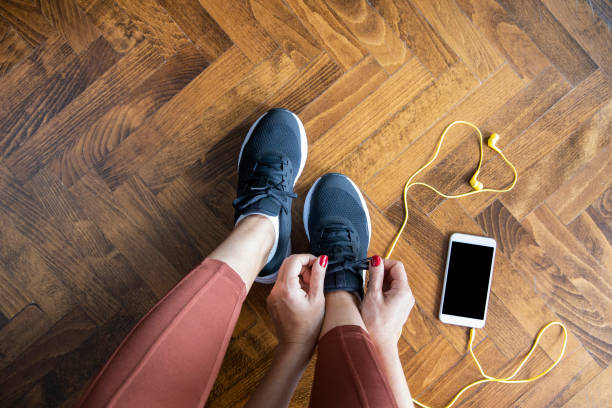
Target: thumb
[(377, 274), (317, 276)]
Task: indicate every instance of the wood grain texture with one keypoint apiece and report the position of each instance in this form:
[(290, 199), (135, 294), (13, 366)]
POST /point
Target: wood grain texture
[(386, 185), (120, 126), (199, 26), (551, 38), (12, 47), (590, 31), (27, 18), (499, 28), (471, 46), (577, 193), (419, 36), (71, 22)]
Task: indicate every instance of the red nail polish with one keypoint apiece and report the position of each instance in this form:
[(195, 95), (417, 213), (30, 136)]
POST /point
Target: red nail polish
[(323, 261), (376, 260)]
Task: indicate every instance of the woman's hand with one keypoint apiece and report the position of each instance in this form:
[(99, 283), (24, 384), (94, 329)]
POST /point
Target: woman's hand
[(297, 306), (296, 302), (387, 303)]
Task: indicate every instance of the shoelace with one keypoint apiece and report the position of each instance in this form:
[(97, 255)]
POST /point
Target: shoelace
[(265, 181), (336, 239)]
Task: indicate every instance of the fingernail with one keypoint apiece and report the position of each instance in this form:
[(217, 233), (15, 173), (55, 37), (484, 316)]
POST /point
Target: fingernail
[(323, 261), (376, 260)]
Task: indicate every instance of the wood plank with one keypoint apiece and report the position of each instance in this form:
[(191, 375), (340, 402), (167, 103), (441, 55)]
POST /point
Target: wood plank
[(28, 20), (372, 32), (576, 194), (420, 37), (596, 393), (444, 389), (603, 9), (471, 46), (590, 31), (402, 129), (236, 18), (157, 226), (126, 117), (601, 212), (71, 22), (12, 300), (510, 120), (500, 30), (121, 230), (341, 97), (32, 73), (421, 252), (218, 137), (40, 358), (17, 205), (114, 24), (551, 38), (567, 284), (157, 26), (218, 152), (31, 276), (385, 187), (103, 259), (572, 374), (592, 238), (429, 364), (516, 292), (20, 332), (13, 48), (286, 30), (330, 32), (538, 182), (150, 139), (67, 126), (561, 120), (193, 215), (42, 105), (199, 26), (370, 115), (505, 395)]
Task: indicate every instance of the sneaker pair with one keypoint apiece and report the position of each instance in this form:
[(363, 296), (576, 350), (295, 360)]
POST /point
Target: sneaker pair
[(336, 217)]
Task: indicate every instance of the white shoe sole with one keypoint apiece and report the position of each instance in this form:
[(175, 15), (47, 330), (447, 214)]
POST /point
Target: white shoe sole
[(270, 279)]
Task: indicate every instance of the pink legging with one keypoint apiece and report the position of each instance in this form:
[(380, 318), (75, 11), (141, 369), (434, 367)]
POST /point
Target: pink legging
[(173, 355)]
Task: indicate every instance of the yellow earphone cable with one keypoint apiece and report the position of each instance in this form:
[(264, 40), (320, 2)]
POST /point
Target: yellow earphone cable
[(477, 188)]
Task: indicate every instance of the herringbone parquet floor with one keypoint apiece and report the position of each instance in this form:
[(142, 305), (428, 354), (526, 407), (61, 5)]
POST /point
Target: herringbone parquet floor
[(120, 123)]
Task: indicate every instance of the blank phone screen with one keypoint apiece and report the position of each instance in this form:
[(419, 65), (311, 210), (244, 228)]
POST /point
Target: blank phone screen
[(467, 280)]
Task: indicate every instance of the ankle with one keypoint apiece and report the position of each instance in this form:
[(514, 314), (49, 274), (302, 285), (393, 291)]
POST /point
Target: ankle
[(341, 309), (259, 225)]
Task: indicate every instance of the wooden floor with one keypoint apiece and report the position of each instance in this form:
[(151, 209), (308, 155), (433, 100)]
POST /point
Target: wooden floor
[(120, 124)]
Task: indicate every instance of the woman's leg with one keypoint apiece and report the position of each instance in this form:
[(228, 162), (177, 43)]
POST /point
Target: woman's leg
[(173, 355), (348, 372)]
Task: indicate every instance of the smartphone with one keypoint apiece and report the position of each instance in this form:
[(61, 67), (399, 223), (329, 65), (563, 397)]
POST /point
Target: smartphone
[(467, 280)]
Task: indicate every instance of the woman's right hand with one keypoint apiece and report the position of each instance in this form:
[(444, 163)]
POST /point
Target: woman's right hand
[(387, 302)]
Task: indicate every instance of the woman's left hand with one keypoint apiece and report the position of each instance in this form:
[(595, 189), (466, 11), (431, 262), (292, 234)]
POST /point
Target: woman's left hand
[(296, 302)]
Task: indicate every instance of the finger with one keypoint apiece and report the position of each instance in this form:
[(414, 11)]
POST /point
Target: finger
[(398, 275), (292, 266), (377, 273), (317, 277)]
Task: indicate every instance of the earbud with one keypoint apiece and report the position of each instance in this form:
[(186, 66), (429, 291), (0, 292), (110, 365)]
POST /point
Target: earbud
[(492, 141), (476, 185)]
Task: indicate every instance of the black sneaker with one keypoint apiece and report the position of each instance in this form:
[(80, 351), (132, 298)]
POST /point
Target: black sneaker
[(271, 159), (338, 225)]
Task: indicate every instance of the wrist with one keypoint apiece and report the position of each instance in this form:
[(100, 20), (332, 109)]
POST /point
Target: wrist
[(298, 352), (386, 347)]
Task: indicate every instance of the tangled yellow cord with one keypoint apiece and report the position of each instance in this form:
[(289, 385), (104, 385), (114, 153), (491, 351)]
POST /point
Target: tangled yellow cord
[(477, 188)]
